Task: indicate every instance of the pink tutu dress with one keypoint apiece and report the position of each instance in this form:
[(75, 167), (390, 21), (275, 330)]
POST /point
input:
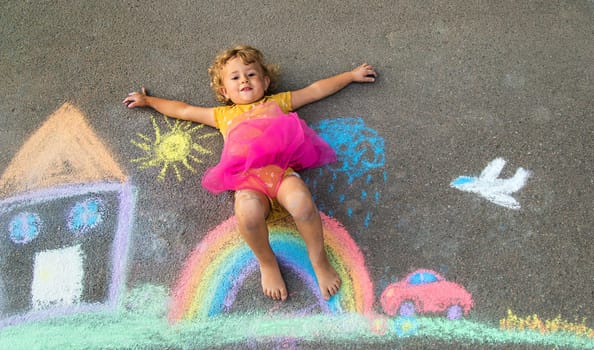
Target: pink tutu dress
[(260, 146)]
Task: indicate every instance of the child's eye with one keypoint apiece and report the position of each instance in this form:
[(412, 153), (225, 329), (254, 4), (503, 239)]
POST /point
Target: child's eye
[(234, 77)]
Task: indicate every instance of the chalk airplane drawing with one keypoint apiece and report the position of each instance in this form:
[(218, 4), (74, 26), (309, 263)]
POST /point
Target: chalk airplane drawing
[(491, 187)]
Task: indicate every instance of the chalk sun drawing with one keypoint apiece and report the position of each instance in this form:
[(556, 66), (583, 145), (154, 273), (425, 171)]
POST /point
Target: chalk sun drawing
[(172, 149), (219, 265), (489, 186)]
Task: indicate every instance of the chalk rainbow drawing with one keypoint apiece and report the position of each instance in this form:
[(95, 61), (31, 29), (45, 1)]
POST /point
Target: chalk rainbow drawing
[(218, 266), (47, 271), (171, 149)]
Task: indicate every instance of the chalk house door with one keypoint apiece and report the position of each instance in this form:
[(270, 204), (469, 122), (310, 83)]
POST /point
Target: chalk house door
[(57, 278)]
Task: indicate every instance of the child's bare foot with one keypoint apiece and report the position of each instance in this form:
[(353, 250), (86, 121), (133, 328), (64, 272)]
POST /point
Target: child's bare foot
[(273, 283), (328, 278)]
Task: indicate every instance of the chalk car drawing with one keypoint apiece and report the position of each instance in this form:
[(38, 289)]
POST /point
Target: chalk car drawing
[(425, 291)]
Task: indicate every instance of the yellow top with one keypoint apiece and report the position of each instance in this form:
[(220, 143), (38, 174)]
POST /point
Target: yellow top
[(224, 115)]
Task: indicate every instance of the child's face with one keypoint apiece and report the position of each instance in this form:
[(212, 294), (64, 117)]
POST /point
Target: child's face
[(243, 83)]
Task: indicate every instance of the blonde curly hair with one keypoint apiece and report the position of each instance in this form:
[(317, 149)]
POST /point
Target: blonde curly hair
[(248, 55)]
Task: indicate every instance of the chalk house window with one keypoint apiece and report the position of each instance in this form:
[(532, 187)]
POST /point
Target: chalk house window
[(86, 215), (24, 227)]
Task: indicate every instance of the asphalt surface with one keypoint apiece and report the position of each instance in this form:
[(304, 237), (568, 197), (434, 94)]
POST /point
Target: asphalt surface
[(460, 85)]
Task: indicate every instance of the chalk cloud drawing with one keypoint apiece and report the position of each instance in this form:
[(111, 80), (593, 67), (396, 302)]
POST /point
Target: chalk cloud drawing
[(489, 186), (360, 148), (173, 149), (361, 159), (63, 177)]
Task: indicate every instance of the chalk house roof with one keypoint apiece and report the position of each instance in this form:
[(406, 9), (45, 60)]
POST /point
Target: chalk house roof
[(64, 150)]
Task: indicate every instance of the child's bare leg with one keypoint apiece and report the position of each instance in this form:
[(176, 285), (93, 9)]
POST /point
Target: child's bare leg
[(251, 209), (294, 196)]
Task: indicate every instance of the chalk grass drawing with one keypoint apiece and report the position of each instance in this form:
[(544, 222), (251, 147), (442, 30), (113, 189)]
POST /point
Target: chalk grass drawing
[(173, 149), (361, 159), (489, 186), (142, 325), (63, 177), (219, 265)]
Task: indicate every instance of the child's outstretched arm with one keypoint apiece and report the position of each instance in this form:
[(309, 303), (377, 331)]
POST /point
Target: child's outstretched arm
[(326, 87), (171, 108)]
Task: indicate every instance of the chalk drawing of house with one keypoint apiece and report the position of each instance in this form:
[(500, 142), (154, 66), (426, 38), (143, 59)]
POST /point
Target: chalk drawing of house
[(66, 212)]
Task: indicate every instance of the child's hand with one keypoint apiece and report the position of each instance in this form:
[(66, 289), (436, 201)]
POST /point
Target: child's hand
[(364, 74), (136, 99)]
